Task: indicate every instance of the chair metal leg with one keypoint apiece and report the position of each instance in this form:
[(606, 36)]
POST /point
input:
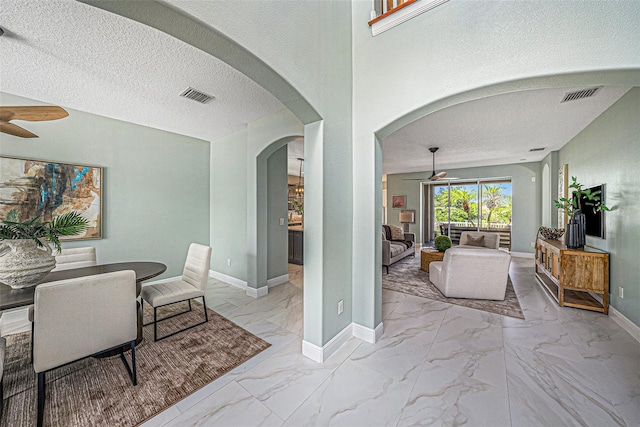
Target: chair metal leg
[(204, 306), (32, 329), (155, 323), (130, 370), (189, 305), (41, 396)]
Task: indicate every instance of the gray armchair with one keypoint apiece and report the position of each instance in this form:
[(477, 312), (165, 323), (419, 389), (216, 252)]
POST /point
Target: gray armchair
[(76, 318)]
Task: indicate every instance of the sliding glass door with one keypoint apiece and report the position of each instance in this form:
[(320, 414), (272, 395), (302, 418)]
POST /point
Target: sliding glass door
[(478, 205)]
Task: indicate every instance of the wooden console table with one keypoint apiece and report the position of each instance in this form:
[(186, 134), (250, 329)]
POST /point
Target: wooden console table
[(571, 274), (427, 256)]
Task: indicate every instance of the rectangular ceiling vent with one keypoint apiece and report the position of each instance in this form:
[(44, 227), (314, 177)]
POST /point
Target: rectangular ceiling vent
[(536, 149), (196, 95), (580, 94)]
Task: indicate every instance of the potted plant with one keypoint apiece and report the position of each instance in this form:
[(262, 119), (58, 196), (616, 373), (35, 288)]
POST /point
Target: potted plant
[(442, 243), (572, 205), (24, 258)]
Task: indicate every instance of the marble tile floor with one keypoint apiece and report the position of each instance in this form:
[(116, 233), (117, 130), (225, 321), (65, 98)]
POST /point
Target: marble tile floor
[(436, 364)]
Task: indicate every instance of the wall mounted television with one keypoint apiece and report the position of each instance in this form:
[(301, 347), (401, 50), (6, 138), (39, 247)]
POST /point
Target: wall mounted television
[(594, 221)]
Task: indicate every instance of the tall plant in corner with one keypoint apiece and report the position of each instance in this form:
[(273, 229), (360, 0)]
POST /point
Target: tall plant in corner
[(69, 224)]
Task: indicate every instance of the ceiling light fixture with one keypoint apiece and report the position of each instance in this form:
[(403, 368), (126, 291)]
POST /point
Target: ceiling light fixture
[(300, 187)]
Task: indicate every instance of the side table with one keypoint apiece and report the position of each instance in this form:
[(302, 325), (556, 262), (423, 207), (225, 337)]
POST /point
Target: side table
[(427, 256)]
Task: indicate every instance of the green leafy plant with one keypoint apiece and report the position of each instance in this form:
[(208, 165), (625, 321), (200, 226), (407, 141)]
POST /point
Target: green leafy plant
[(442, 243), (298, 207), (571, 204), (69, 224)]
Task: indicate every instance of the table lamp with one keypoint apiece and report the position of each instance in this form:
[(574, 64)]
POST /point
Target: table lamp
[(406, 218)]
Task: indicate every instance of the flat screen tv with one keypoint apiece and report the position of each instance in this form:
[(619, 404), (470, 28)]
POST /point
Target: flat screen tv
[(594, 221)]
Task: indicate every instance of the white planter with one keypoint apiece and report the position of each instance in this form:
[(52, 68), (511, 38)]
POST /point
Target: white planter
[(23, 263)]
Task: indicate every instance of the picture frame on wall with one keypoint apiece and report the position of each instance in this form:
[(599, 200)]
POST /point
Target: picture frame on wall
[(398, 202), (563, 191), (45, 190)]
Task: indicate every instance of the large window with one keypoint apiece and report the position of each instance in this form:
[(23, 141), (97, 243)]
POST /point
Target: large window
[(479, 205)]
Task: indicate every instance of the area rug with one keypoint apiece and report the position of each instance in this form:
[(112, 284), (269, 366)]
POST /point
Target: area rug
[(405, 276), (98, 392)]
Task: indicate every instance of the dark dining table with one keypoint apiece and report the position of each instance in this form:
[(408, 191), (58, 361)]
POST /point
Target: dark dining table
[(145, 270)]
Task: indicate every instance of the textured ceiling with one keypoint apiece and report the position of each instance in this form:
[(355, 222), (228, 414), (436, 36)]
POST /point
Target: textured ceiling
[(495, 130), (70, 54)]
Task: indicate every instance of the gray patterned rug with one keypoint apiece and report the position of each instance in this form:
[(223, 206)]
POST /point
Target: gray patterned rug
[(405, 276), (98, 392)]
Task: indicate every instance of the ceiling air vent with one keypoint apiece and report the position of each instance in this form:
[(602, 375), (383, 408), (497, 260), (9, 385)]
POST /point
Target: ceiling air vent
[(196, 95), (580, 94), (536, 149)]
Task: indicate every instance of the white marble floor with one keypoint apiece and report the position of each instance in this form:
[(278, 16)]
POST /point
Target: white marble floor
[(436, 364)]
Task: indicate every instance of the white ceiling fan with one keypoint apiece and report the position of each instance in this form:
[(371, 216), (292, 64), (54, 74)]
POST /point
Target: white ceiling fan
[(434, 176)]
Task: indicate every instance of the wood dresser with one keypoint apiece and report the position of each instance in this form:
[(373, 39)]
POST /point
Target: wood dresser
[(571, 274)]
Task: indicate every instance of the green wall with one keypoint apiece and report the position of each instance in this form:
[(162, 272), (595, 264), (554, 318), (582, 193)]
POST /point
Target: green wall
[(277, 198), (229, 205), (156, 183), (525, 178), (608, 152)]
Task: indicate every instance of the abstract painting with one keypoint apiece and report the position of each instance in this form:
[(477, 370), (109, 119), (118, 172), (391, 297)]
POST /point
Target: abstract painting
[(398, 202), (46, 190)]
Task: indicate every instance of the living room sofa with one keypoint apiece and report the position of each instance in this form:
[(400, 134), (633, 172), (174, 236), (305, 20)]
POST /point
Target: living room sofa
[(395, 250), (472, 272)]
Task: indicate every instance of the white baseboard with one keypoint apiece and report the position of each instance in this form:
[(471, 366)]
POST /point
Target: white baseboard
[(625, 323), (522, 255), (320, 354), (257, 292), (228, 279), (278, 280), (367, 334)]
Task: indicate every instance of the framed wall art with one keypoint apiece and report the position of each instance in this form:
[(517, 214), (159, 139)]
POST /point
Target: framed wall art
[(46, 190), (398, 202), (563, 191)]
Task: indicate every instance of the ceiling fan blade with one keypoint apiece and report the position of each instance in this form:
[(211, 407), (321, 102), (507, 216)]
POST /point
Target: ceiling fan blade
[(438, 176), (15, 130), (35, 113)]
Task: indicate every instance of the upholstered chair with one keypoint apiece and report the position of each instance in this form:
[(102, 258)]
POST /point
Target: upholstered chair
[(76, 318), (75, 258), (480, 239), (478, 273), (191, 285), (67, 259)]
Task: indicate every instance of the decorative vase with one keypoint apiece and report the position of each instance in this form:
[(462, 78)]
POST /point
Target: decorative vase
[(582, 228), (23, 263), (571, 234)]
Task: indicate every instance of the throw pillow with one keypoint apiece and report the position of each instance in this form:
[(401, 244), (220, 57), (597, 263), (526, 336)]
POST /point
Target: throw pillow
[(396, 233), (474, 241), (384, 237)]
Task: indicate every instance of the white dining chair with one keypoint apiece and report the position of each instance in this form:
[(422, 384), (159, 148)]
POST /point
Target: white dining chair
[(67, 259), (75, 258), (191, 285), (77, 318)]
